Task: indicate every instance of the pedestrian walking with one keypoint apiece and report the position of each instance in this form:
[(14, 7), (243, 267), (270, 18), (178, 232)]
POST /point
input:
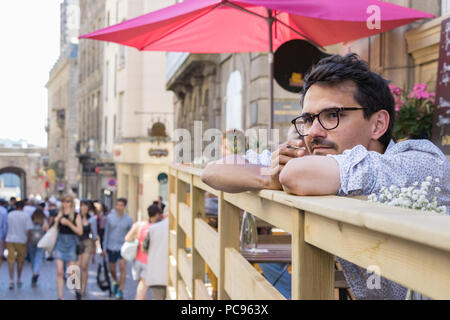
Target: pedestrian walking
[(3, 227), (118, 223), (40, 227), (158, 259), (88, 240), (12, 204), (68, 223), (19, 225), (102, 212), (139, 232)]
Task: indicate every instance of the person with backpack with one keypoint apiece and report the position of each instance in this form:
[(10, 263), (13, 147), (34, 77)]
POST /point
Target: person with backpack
[(40, 227), (139, 232)]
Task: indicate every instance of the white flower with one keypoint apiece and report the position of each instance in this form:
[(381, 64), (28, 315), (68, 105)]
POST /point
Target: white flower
[(436, 180), (429, 178), (437, 189)]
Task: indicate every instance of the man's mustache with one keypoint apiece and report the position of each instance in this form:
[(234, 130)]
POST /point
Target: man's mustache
[(322, 143)]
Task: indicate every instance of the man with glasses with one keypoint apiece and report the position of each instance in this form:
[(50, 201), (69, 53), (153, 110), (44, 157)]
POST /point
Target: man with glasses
[(346, 149)]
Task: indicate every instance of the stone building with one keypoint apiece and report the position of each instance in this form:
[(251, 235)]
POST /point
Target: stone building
[(89, 99), (20, 163), (137, 115), (62, 127), (62, 123)]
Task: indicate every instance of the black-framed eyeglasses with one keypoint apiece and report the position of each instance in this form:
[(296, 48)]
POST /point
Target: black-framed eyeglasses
[(328, 119)]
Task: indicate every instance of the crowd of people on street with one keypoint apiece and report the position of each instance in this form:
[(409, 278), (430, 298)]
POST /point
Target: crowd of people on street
[(77, 231)]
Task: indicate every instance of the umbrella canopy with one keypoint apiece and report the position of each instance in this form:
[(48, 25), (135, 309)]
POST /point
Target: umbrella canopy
[(218, 26), (230, 26)]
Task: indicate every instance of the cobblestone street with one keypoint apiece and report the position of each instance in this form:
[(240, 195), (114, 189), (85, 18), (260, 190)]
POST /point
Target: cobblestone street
[(46, 287)]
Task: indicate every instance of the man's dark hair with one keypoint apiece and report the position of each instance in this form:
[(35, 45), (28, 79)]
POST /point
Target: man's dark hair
[(20, 204), (372, 91), (12, 199), (153, 210), (123, 200)]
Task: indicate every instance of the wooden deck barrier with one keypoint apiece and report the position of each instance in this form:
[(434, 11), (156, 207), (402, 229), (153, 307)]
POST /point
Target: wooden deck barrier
[(409, 247)]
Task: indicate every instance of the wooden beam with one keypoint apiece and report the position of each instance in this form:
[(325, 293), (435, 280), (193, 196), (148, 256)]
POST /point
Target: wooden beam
[(182, 291), (229, 216), (185, 268), (201, 293), (197, 181), (172, 270), (312, 268), (197, 212), (172, 242), (181, 235), (243, 282), (207, 244), (411, 264), (185, 218), (173, 204), (183, 176), (272, 212)]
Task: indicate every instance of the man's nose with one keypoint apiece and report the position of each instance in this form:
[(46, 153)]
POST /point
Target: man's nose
[(317, 130)]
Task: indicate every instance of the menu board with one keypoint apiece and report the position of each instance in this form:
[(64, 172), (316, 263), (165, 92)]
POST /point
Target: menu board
[(441, 123)]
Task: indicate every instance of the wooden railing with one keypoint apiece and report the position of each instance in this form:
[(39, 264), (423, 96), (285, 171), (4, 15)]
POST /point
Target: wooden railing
[(409, 247)]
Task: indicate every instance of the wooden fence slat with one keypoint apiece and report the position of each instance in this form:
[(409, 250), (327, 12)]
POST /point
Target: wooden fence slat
[(312, 268), (262, 208), (201, 293), (411, 264), (243, 282), (207, 244), (185, 219), (182, 291), (185, 268)]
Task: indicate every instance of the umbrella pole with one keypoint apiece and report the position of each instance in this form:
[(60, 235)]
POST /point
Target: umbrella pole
[(271, 67), (270, 20)]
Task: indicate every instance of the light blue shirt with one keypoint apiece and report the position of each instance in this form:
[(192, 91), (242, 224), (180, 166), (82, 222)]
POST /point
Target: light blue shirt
[(115, 230), (364, 172), (3, 222)]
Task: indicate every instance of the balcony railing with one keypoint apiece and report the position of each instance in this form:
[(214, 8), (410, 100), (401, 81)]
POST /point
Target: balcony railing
[(409, 247)]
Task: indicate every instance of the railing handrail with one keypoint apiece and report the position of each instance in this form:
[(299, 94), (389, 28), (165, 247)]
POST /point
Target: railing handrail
[(430, 229)]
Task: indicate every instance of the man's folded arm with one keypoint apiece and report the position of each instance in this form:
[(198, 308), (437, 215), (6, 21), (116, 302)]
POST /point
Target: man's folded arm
[(311, 176), (235, 174)]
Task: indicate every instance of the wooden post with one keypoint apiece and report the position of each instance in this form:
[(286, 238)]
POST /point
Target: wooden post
[(198, 211), (181, 236), (312, 268), (229, 216)]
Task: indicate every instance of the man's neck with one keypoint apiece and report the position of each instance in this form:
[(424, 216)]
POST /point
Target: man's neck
[(120, 214), (376, 146)]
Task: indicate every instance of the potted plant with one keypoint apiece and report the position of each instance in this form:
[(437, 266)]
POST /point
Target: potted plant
[(413, 112)]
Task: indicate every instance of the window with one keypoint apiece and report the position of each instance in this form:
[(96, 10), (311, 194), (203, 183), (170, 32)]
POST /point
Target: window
[(106, 80), (114, 128), (106, 131), (234, 101), (121, 56), (445, 7), (115, 75)]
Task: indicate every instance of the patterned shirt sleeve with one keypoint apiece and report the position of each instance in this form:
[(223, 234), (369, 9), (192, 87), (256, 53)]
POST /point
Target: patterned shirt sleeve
[(363, 172), (262, 158)]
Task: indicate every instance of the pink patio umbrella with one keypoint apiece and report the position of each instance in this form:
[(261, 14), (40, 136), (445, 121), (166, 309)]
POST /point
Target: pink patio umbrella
[(220, 26)]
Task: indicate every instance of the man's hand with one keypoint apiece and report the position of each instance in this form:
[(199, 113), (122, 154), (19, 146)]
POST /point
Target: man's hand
[(104, 253), (286, 152)]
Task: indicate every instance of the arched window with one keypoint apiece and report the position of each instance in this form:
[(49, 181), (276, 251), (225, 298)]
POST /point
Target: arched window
[(234, 101)]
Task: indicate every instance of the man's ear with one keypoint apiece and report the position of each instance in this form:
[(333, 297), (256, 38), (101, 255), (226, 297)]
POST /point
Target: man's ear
[(380, 123)]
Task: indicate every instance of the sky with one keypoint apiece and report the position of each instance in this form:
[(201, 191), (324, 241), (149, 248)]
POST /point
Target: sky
[(30, 47)]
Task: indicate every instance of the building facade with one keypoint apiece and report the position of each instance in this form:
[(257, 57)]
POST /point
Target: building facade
[(62, 122), (62, 127), (90, 101), (137, 115)]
